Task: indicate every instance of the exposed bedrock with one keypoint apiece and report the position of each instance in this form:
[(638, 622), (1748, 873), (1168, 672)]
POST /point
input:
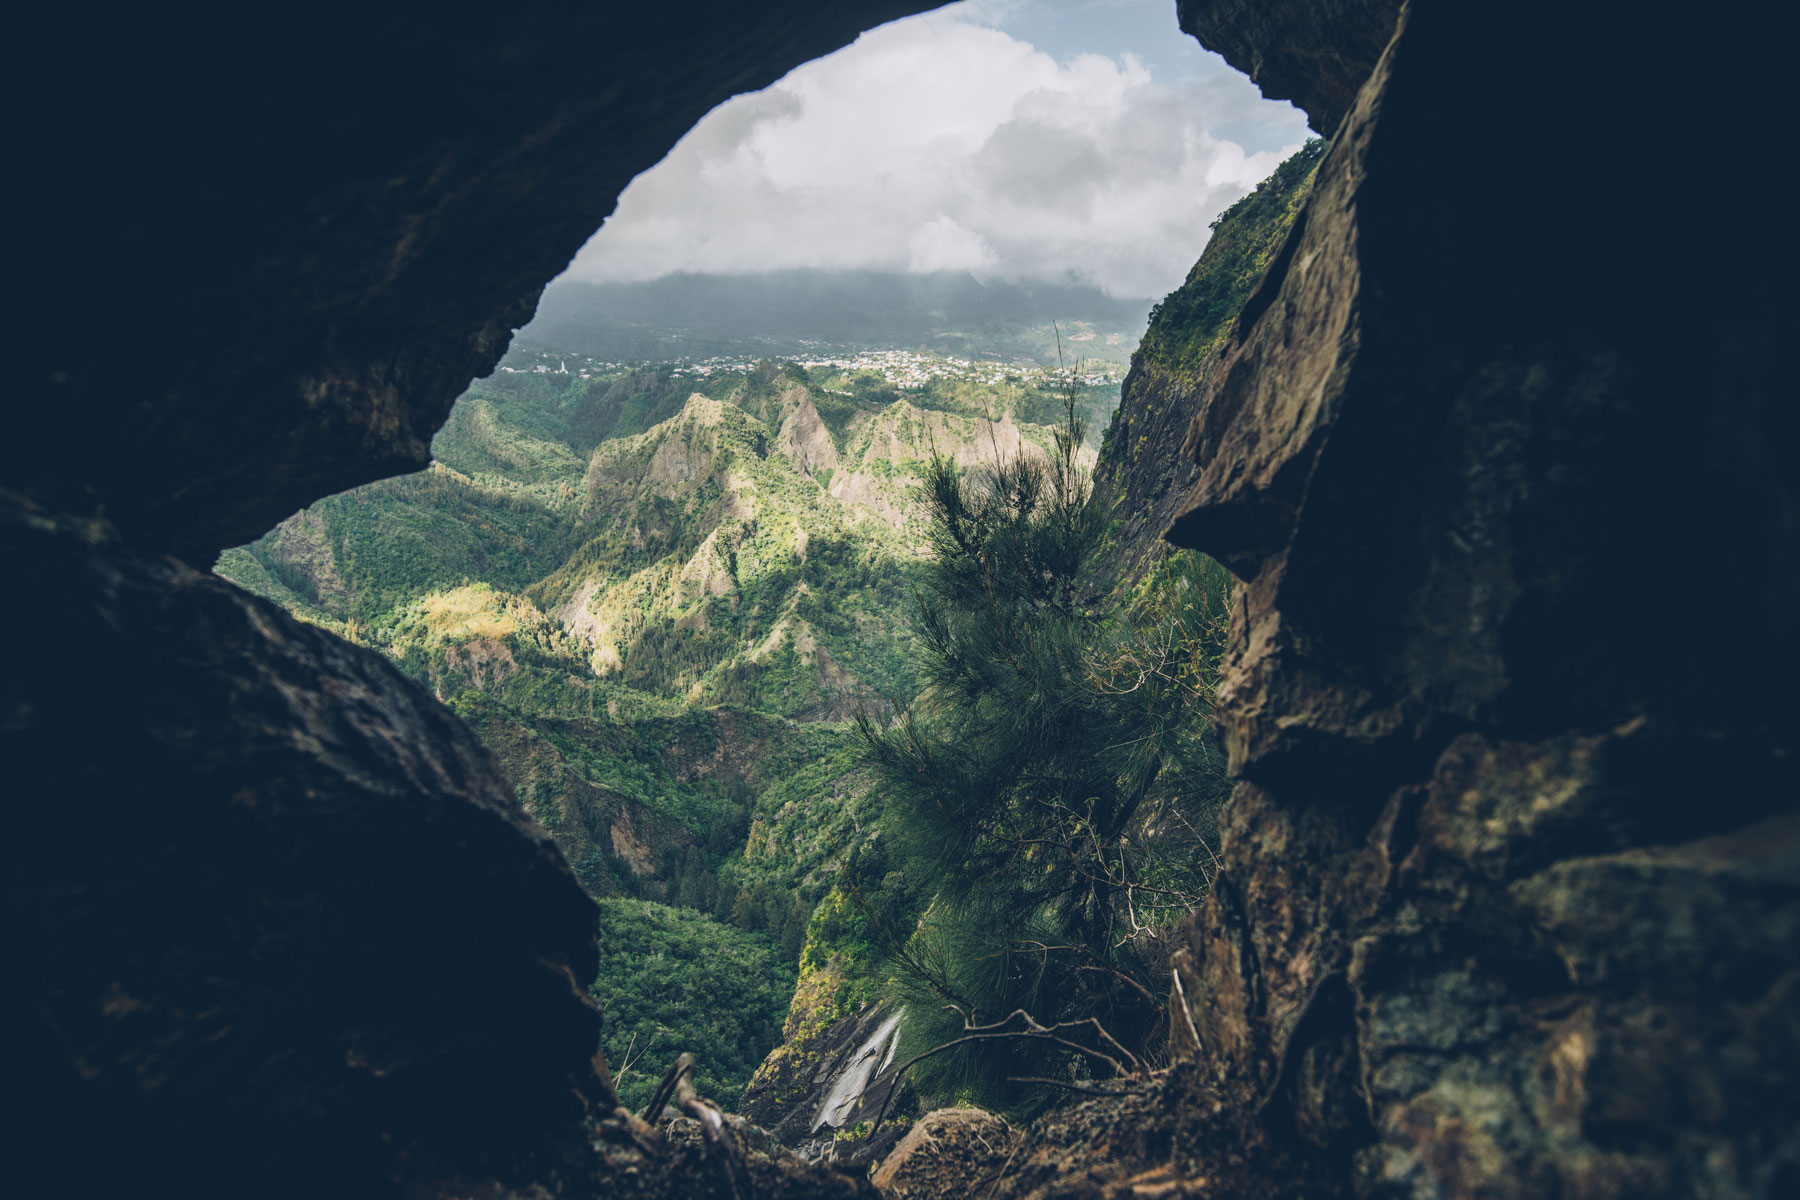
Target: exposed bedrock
[(1142, 474), (823, 1087), (262, 253), (1502, 451)]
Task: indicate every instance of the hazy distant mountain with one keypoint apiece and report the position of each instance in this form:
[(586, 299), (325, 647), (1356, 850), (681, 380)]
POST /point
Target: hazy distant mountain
[(785, 313)]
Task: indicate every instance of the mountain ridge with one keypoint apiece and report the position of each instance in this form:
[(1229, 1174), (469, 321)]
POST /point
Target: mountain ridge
[(787, 313), (657, 598)]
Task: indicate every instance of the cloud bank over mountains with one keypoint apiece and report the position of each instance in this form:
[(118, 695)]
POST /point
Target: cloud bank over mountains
[(939, 143)]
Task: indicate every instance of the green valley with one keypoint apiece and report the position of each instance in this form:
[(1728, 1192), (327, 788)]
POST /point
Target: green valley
[(659, 593), (681, 602)]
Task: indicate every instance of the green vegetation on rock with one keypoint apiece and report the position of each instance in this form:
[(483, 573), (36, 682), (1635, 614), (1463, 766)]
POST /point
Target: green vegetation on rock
[(1186, 324), (1143, 475), (1049, 799)]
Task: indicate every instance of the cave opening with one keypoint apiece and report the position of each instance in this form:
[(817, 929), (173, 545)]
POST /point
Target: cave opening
[(1503, 896), (660, 559)]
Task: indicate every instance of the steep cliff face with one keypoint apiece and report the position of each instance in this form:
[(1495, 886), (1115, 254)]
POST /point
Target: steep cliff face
[(1142, 473), (1510, 876)]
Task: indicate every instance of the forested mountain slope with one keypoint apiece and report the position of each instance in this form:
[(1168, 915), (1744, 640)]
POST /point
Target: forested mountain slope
[(657, 595), (1070, 740)]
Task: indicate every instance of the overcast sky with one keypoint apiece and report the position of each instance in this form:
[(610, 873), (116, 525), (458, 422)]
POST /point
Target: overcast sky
[(1018, 139)]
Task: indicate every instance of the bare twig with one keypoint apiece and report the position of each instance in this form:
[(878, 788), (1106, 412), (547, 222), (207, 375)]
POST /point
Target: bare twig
[(1120, 975), (677, 1086), (629, 1061), (1033, 1031)]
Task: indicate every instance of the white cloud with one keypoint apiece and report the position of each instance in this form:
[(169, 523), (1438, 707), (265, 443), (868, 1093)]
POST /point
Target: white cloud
[(942, 245), (935, 143)]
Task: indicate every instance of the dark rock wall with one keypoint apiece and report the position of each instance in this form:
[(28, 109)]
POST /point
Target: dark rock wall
[(274, 918), (274, 924), (262, 252), (1502, 450)]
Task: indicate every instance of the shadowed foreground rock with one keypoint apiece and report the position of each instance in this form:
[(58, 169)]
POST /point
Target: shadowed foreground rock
[(274, 924), (677, 1166), (278, 920), (1501, 451), (947, 1153), (1513, 875)]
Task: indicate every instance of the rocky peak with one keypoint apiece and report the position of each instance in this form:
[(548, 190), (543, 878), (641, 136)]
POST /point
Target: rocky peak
[(807, 440)]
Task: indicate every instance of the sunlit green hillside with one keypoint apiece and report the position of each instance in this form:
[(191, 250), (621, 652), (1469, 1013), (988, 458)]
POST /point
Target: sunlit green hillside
[(658, 594)]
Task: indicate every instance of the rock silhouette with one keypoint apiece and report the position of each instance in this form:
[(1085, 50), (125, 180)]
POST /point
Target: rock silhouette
[(1500, 448)]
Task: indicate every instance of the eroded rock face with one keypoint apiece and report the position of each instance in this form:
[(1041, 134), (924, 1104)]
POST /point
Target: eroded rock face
[(820, 1091), (1510, 879), (1142, 476), (268, 249), (807, 440)]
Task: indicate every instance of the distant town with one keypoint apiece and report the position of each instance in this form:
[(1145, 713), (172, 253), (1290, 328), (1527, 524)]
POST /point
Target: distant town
[(905, 369)]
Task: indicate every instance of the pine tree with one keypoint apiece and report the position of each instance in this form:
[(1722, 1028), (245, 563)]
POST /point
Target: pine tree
[(1051, 728)]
